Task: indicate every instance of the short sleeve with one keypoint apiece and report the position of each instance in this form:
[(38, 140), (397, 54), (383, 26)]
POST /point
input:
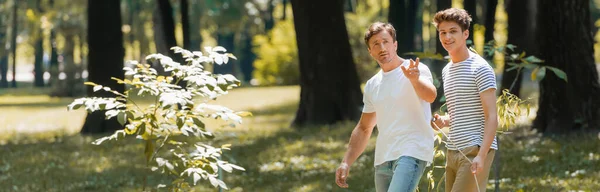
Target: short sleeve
[(485, 78), (368, 105)]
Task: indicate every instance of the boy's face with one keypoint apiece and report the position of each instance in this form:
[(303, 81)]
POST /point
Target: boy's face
[(451, 36), (382, 47)]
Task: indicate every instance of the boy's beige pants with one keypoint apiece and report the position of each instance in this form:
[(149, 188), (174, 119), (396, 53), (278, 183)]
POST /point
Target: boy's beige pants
[(458, 170)]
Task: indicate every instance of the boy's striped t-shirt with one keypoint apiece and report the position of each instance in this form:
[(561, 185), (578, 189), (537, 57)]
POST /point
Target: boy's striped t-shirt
[(463, 82)]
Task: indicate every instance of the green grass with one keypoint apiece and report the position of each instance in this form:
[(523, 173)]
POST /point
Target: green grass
[(42, 152)]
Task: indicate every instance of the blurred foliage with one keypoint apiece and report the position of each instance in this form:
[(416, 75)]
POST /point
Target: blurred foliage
[(277, 55), (357, 22), (277, 62)]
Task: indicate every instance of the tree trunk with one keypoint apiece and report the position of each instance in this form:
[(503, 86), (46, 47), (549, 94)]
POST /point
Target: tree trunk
[(4, 70), (13, 44), (565, 42), (38, 66), (416, 20), (68, 87), (185, 25), (490, 21), (3, 56), (520, 33), (164, 32), (247, 56), (284, 3), (436, 68), (53, 70), (471, 7), (269, 20), (330, 88), (106, 53), (403, 15)]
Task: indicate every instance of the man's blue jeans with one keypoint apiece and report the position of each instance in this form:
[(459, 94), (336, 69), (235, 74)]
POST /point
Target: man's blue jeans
[(401, 175)]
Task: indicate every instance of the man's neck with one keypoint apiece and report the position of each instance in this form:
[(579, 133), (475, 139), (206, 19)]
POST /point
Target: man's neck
[(460, 55), (396, 62)]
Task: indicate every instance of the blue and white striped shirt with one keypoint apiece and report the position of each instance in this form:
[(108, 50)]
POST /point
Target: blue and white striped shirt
[(463, 82)]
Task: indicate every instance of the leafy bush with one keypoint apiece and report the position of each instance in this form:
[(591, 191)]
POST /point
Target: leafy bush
[(277, 62), (174, 117)]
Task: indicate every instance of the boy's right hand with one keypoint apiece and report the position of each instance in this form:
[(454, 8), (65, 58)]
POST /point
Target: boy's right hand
[(437, 123), (341, 174)]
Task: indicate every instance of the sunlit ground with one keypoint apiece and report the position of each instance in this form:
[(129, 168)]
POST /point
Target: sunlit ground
[(42, 151)]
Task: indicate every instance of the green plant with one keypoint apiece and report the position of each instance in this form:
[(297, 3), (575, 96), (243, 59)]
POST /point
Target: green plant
[(174, 121), (277, 62)]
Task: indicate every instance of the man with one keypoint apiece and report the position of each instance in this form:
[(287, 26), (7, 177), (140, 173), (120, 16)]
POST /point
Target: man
[(397, 99), (469, 87)]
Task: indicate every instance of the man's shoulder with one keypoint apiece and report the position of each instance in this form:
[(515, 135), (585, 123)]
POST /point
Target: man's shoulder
[(374, 79)]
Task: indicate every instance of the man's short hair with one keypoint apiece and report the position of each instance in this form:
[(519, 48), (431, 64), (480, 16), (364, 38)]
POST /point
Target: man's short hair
[(460, 16), (376, 28)]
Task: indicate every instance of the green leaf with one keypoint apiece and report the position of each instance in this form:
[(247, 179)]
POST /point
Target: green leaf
[(542, 73), (198, 123), (121, 117), (76, 104), (180, 121), (142, 129), (149, 150), (533, 59), (529, 65), (511, 47), (522, 55), (111, 113), (97, 87), (559, 73)]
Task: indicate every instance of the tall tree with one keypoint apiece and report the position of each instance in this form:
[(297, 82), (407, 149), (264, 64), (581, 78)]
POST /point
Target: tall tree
[(471, 7), (53, 67), (3, 50), (106, 53), (164, 31), (330, 88), (521, 34), (490, 21), (13, 43), (565, 42), (403, 15), (436, 68), (185, 24), (39, 50)]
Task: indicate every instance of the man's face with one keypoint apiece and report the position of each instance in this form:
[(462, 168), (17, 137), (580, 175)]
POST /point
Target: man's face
[(451, 36), (382, 47)]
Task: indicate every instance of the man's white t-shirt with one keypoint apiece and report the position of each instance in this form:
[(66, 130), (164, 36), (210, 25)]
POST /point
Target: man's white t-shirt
[(402, 117)]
